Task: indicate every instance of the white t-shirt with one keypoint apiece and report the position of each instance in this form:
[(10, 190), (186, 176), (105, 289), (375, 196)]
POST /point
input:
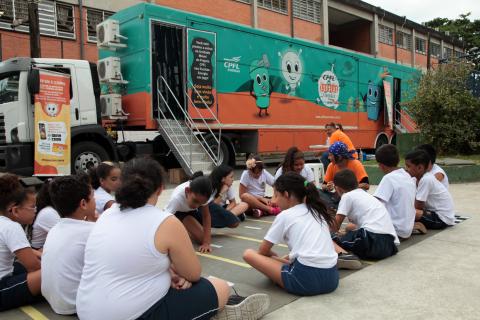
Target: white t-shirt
[(102, 197), (229, 195), (397, 192), (307, 173), (12, 238), (309, 241), (46, 219), (437, 169), (436, 198), (62, 263), (178, 200), (124, 273), (256, 187), (366, 212)]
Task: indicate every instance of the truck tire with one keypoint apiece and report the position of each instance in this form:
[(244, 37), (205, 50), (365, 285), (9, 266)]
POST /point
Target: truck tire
[(86, 155), (381, 140), (224, 156)]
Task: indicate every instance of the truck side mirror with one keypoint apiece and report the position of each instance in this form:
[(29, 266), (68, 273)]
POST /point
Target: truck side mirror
[(33, 83)]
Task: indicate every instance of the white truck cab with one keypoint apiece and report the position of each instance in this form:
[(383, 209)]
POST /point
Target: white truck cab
[(90, 142)]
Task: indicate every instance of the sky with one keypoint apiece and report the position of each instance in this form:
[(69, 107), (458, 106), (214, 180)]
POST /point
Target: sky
[(426, 10)]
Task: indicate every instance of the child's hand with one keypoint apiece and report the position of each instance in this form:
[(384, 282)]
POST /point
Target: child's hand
[(180, 283), (205, 248), (330, 186)]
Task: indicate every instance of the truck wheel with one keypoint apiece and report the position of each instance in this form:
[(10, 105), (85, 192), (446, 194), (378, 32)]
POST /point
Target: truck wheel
[(381, 140), (86, 155), (224, 155)]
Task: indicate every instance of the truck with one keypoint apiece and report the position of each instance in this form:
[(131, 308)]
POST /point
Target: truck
[(203, 91)]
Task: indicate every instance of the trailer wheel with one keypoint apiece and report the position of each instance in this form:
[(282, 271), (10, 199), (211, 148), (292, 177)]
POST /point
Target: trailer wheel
[(224, 155), (381, 140), (86, 155)]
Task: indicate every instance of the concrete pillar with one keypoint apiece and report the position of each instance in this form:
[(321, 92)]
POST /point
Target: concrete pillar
[(374, 36), (325, 28), (254, 13), (441, 49), (413, 47)]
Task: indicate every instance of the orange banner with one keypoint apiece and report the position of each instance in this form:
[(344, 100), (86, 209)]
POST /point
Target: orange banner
[(52, 125)]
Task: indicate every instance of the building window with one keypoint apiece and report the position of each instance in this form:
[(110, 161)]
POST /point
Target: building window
[(65, 20), (94, 17), (385, 34), (403, 40), (55, 19), (309, 10), (447, 53), (458, 54), (435, 50), (420, 46), (275, 5)]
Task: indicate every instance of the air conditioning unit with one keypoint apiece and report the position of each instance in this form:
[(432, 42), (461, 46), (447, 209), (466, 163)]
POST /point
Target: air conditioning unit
[(109, 69), (111, 105), (108, 35)]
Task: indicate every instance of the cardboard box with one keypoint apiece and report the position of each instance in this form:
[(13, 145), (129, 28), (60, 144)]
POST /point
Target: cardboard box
[(176, 176)]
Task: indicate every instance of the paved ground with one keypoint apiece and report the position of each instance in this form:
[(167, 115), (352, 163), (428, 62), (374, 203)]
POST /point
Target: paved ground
[(433, 276)]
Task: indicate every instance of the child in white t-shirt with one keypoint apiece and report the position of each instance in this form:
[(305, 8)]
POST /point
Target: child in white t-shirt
[(46, 218), (252, 188), (64, 249), (373, 236), (189, 203), (396, 190), (105, 180), (20, 280), (435, 169), (295, 161), (310, 267), (224, 209), (433, 202)]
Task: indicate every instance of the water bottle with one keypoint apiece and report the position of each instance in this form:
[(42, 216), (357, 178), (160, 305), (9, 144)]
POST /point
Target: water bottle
[(361, 156)]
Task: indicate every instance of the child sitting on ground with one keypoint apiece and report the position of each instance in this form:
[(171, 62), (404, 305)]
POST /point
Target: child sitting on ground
[(295, 161), (64, 250), (46, 218), (223, 214), (189, 203), (433, 202), (371, 234), (436, 170), (252, 188), (105, 180), (310, 268), (396, 190), (19, 280)]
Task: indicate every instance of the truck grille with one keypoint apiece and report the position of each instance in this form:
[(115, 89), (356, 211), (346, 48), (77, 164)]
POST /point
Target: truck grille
[(3, 137)]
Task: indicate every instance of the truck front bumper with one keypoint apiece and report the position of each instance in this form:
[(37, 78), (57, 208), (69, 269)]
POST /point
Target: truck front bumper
[(17, 158)]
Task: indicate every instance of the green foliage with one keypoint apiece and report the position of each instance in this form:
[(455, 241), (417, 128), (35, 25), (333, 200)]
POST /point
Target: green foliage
[(446, 112), (461, 27)]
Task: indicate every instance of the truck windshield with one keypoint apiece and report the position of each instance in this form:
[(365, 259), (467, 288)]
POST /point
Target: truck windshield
[(9, 87)]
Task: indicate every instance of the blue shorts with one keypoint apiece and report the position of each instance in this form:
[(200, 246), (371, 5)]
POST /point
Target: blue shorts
[(14, 290), (431, 220), (198, 302), (221, 218), (308, 281), (368, 245)]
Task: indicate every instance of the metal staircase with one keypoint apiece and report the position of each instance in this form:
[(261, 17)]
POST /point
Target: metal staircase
[(194, 150), (404, 122)]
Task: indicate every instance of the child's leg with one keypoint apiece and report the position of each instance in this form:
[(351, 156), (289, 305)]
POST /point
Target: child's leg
[(194, 228), (418, 214), (34, 282), (222, 289), (338, 249), (254, 202), (221, 217), (351, 227), (239, 209), (270, 267)]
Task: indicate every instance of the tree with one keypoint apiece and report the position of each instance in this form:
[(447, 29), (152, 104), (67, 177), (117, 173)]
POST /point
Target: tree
[(446, 112), (462, 27)]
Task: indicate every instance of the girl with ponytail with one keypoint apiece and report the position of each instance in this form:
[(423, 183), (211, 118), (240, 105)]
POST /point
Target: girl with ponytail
[(310, 268), (295, 161), (105, 179)]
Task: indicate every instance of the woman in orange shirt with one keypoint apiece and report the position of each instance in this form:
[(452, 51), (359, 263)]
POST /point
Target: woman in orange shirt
[(337, 135)]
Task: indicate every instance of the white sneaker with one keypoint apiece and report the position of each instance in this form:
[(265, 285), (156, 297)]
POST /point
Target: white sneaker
[(252, 307)]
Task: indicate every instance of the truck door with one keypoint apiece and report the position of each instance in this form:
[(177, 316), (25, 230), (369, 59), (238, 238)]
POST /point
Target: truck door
[(168, 72)]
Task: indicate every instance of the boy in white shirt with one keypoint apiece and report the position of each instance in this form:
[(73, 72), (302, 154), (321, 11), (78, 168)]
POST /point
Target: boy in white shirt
[(433, 202), (64, 249), (396, 190), (375, 236), (434, 168)]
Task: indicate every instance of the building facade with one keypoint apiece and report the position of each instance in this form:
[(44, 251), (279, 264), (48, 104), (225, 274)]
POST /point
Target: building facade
[(68, 27)]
